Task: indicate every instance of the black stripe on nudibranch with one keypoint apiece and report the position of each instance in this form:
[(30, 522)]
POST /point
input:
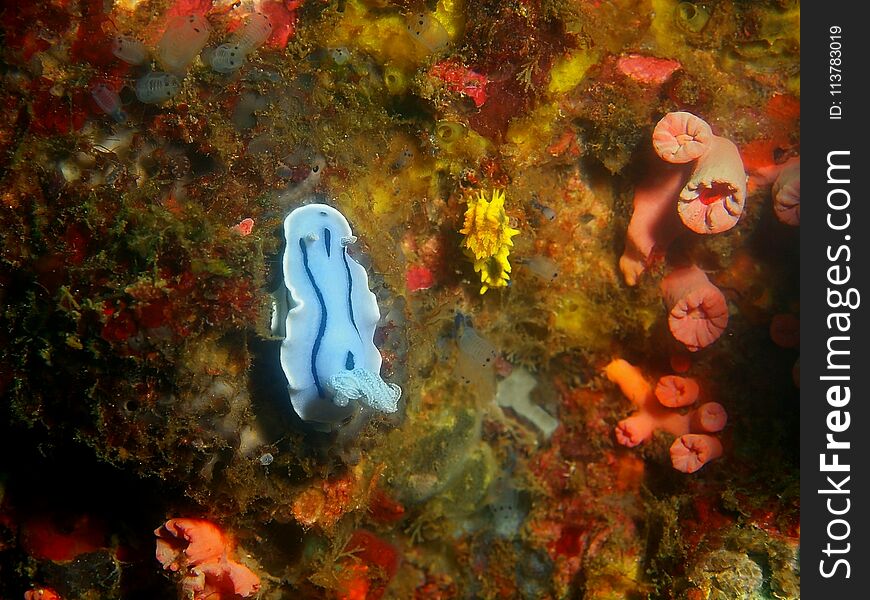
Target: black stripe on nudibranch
[(349, 292), (349, 362), (327, 241), (322, 327)]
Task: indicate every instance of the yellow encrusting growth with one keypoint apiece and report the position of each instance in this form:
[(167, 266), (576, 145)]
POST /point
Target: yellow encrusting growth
[(488, 239)]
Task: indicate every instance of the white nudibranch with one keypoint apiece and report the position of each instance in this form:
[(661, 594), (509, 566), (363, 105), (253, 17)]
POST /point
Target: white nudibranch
[(157, 87), (328, 353)]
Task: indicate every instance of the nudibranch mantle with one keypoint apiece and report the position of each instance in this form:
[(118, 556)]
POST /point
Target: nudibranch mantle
[(328, 353)]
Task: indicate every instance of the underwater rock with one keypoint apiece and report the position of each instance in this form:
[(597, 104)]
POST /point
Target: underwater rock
[(727, 574), (328, 355), (514, 392)]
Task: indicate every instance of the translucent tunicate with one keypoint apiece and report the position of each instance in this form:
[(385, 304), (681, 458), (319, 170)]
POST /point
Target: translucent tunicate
[(244, 116), (257, 29), (508, 510), (692, 17), (184, 38), (426, 30), (227, 58), (129, 49), (339, 55), (548, 212), (541, 267), (108, 101), (157, 87), (403, 159), (475, 364), (395, 79), (449, 133)]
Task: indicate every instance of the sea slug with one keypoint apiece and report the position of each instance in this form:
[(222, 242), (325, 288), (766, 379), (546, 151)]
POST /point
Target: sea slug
[(328, 352)]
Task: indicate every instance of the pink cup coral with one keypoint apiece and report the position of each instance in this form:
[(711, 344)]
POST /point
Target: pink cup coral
[(675, 391), (703, 176), (681, 137), (787, 193), (654, 223), (652, 414), (692, 451), (712, 200), (709, 417), (697, 311)]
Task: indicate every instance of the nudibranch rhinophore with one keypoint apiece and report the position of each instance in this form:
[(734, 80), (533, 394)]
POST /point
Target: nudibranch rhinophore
[(328, 353)]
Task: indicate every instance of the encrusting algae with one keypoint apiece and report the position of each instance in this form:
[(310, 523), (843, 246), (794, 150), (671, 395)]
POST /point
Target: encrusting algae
[(488, 239)]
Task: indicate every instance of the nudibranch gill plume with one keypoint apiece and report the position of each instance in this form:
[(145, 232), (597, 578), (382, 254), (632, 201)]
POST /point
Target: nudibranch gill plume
[(328, 353)]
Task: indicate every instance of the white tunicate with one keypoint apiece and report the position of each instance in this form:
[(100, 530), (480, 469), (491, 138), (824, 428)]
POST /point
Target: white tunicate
[(425, 29), (129, 49), (184, 38), (266, 459), (157, 87), (108, 101), (227, 58), (339, 55), (254, 34)]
